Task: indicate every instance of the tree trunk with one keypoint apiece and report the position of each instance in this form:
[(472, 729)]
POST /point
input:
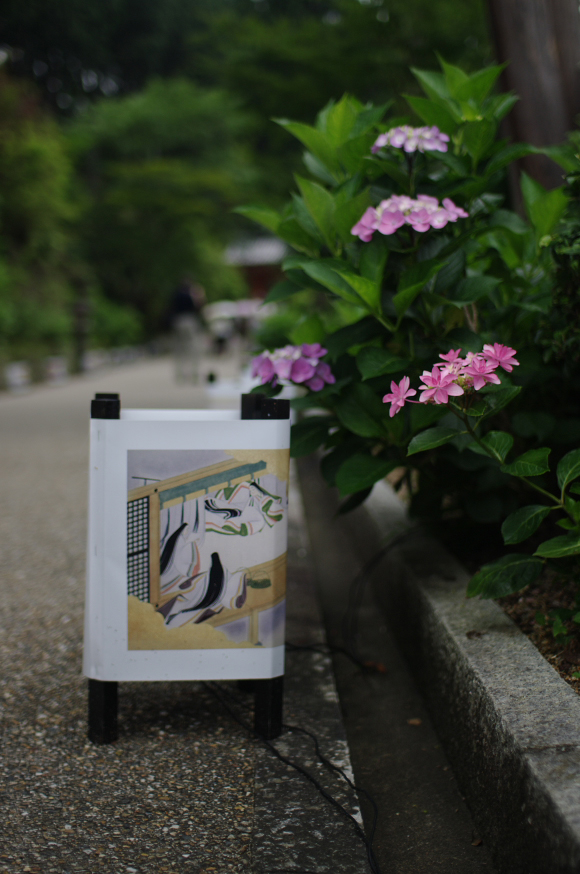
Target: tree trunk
[(541, 41)]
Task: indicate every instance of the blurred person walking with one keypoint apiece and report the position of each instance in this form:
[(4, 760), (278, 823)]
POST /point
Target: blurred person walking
[(186, 323)]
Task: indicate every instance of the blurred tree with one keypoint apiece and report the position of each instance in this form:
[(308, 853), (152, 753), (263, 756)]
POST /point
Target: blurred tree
[(37, 208), (164, 168), (78, 50)]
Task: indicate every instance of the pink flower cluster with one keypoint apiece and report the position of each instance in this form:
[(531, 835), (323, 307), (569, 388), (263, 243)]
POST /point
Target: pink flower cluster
[(423, 213), (454, 376), (413, 139), (298, 364)]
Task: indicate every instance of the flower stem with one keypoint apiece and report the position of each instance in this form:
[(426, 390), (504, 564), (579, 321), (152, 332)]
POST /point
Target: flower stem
[(491, 454)]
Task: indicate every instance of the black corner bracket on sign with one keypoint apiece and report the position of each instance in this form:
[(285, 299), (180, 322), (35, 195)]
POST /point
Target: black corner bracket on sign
[(258, 406), (106, 406)]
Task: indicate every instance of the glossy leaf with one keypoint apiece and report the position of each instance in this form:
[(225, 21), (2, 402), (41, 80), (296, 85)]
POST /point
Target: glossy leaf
[(353, 153), (268, 218), (316, 142), (559, 547), (352, 335), (505, 218), (478, 137), (520, 525), (451, 271), (361, 411), (282, 290), (367, 290), (499, 399), (505, 576), (362, 471), (471, 289), (320, 204), (328, 277), (430, 439), (532, 463), (306, 436), (411, 283), (544, 208), (373, 260), (499, 444), (479, 84), (369, 118), (349, 212), (341, 119), (433, 84), (291, 232), (432, 113), (455, 78), (507, 155), (568, 468), (374, 361)]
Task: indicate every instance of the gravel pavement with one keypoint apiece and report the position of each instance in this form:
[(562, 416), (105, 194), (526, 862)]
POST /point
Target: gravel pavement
[(185, 788)]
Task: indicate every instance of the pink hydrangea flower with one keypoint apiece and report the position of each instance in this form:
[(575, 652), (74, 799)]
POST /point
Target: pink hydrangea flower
[(421, 214), (454, 212), (412, 139), (438, 385), (366, 225), (454, 376), (450, 357), (294, 364), (263, 367), (501, 356), (398, 395), (480, 372)]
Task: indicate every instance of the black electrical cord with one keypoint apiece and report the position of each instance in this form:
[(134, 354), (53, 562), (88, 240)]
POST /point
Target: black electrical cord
[(373, 864), (332, 767)]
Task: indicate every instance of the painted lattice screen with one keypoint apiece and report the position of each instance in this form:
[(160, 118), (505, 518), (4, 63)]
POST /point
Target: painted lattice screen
[(138, 548)]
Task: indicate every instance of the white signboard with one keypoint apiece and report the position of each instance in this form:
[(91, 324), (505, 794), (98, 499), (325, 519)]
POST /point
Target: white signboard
[(186, 562)]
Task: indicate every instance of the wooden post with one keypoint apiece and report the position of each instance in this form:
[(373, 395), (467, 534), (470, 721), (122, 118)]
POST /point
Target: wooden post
[(540, 39), (103, 695), (269, 693)]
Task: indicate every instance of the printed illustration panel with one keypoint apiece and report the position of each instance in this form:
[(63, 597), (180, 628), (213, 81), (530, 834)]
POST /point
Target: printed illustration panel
[(206, 548)]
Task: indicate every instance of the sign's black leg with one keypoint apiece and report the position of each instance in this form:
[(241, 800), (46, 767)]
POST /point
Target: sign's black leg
[(103, 701), (268, 707), (103, 695), (269, 694)]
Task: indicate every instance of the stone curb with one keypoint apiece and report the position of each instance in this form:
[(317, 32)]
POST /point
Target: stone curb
[(510, 725)]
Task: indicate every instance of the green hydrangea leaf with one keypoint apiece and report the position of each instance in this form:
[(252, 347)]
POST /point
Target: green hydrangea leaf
[(532, 463), (505, 576), (523, 522), (430, 439)]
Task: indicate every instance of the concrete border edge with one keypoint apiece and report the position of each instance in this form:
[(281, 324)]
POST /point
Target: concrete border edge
[(510, 725)]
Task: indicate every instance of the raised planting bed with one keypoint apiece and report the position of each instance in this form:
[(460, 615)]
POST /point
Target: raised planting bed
[(509, 724)]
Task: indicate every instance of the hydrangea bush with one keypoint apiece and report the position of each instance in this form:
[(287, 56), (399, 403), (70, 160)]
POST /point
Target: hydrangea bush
[(404, 251)]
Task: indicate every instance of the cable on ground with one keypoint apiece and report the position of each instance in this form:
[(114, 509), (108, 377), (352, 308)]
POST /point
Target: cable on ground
[(373, 864)]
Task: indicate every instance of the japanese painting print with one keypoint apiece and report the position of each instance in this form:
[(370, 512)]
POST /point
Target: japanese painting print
[(206, 548)]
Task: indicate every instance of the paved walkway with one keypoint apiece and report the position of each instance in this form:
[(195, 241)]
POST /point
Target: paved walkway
[(185, 789)]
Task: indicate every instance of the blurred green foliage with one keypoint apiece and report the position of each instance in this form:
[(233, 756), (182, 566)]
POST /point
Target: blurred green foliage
[(37, 209), (163, 169), (165, 111)]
